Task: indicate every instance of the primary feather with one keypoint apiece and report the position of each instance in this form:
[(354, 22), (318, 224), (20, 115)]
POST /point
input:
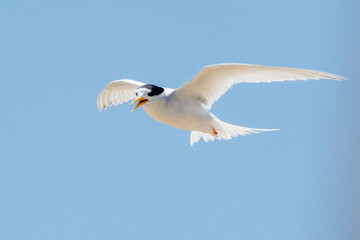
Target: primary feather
[(117, 92), (213, 81)]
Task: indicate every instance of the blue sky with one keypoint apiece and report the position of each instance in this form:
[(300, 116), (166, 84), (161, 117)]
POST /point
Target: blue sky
[(68, 171)]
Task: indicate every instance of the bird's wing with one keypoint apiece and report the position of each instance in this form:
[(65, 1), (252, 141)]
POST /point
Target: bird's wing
[(214, 80), (117, 92)]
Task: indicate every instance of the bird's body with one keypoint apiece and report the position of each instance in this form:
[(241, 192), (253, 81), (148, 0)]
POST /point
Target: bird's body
[(188, 107), (176, 112)]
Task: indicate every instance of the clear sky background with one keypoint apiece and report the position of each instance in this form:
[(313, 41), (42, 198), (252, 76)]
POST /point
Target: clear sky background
[(68, 171)]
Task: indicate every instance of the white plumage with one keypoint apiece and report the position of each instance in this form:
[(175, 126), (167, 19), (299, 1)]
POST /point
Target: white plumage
[(188, 106), (117, 92)]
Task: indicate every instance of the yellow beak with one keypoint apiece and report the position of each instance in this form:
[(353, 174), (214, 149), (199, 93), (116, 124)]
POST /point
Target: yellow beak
[(140, 102)]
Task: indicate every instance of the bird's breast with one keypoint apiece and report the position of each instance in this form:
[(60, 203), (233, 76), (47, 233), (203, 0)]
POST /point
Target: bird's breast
[(178, 114)]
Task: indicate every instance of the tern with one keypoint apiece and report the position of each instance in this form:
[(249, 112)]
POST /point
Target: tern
[(188, 107)]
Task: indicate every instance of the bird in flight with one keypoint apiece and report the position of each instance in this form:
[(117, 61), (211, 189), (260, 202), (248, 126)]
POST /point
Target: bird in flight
[(188, 107)]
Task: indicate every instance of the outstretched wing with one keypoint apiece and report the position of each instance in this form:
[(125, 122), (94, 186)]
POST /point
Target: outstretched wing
[(117, 92), (214, 80)]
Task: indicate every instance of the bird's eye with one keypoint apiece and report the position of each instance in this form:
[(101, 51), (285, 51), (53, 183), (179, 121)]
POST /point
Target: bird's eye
[(136, 94)]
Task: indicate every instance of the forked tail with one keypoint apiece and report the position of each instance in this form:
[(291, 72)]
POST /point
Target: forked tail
[(224, 130)]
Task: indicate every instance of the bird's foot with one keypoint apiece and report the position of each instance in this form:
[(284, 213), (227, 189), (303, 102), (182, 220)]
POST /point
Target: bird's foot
[(214, 131)]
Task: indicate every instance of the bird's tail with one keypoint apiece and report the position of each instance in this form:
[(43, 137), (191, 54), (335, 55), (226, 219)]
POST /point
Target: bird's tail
[(224, 131)]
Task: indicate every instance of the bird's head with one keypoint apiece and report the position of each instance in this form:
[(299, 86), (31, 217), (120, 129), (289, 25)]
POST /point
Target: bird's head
[(146, 93)]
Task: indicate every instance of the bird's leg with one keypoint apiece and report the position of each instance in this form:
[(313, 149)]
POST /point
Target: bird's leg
[(215, 132)]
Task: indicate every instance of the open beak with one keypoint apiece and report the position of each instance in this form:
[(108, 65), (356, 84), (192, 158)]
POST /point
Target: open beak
[(140, 101)]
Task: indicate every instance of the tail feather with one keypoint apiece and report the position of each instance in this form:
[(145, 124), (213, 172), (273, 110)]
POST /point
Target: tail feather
[(225, 131), (195, 136)]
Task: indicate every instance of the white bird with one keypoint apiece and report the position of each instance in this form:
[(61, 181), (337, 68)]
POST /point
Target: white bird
[(188, 107)]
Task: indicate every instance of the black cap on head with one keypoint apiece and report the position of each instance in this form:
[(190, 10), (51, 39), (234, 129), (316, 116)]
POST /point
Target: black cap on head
[(154, 90)]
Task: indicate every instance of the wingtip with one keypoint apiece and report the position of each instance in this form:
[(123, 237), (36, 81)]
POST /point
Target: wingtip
[(343, 78), (336, 77), (340, 78)]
